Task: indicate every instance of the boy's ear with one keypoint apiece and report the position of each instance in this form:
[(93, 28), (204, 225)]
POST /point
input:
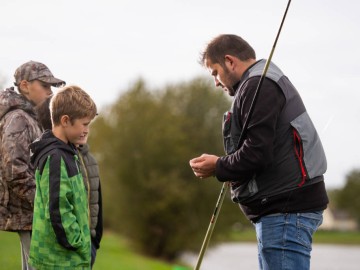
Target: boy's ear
[(65, 120)]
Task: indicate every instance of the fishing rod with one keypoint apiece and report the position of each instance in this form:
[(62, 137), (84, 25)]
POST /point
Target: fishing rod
[(241, 139)]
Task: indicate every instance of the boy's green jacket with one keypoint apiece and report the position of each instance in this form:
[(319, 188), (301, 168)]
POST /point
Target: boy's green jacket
[(61, 235)]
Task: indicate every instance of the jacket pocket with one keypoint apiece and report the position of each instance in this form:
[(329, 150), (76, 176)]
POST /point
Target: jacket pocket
[(309, 147), (299, 153), (226, 128), (242, 192)]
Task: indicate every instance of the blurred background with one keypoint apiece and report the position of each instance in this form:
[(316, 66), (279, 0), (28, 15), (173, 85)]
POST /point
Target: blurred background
[(158, 108)]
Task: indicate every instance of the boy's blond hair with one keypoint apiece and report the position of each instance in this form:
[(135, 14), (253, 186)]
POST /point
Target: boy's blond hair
[(73, 102)]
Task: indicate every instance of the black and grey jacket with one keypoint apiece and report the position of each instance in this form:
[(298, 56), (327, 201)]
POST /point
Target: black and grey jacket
[(90, 172), (281, 158)]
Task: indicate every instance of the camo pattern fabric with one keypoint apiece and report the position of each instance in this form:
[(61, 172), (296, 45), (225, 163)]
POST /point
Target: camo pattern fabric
[(18, 128), (36, 71)]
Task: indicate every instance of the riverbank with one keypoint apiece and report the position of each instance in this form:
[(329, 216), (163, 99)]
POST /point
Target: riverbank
[(244, 256)]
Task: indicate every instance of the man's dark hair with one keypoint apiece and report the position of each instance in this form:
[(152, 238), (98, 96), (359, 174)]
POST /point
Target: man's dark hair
[(222, 45)]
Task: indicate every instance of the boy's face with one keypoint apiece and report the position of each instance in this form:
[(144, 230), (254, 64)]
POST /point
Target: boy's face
[(77, 133)]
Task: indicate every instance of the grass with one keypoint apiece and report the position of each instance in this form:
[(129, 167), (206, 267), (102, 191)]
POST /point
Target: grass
[(337, 237), (116, 254), (10, 250), (113, 254)]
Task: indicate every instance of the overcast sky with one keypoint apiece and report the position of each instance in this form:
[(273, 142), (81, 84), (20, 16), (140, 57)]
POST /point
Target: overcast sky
[(104, 46)]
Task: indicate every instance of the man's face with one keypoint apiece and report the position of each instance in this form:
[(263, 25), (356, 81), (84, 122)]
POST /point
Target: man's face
[(38, 91), (223, 76)]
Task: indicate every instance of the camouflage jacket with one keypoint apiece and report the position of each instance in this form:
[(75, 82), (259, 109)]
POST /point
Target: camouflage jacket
[(18, 128)]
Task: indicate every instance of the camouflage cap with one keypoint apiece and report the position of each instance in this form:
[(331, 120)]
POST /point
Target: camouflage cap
[(36, 71)]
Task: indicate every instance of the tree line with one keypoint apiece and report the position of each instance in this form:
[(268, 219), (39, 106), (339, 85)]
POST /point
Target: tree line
[(348, 197), (143, 143)]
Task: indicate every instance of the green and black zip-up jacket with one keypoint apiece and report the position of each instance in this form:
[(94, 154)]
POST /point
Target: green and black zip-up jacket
[(61, 234), (279, 166)]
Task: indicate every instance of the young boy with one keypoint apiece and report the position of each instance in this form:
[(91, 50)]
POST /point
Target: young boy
[(90, 173), (61, 235)]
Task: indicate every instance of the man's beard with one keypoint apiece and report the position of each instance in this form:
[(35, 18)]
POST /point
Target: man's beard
[(231, 82), (231, 91)]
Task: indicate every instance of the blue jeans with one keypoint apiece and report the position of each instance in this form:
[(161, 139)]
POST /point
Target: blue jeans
[(285, 240)]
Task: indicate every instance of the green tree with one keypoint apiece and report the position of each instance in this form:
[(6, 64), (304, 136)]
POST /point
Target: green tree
[(143, 143), (348, 198)]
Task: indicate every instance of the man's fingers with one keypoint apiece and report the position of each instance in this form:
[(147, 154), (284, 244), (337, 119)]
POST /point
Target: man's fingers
[(200, 167), (196, 160)]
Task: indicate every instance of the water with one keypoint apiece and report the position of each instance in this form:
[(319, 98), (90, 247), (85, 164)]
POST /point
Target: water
[(232, 256)]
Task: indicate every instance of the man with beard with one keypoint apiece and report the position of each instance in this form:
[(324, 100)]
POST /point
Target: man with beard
[(276, 172)]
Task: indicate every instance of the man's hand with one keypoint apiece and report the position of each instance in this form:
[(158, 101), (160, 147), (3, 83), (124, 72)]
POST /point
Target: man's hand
[(204, 166)]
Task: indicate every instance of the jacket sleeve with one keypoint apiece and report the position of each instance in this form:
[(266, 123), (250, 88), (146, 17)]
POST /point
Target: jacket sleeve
[(63, 220), (256, 152), (15, 159)]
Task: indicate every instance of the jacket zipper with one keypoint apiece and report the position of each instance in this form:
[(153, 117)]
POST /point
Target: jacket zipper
[(299, 152)]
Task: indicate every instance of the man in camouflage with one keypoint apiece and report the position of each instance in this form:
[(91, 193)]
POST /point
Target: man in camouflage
[(19, 128)]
